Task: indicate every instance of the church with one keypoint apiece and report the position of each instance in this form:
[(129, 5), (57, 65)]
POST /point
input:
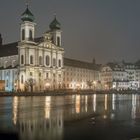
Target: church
[(38, 64)]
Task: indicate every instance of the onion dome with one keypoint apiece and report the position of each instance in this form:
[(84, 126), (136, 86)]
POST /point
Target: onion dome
[(27, 15), (55, 25)]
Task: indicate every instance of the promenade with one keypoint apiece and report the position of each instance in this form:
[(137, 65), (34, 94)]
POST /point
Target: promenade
[(68, 92)]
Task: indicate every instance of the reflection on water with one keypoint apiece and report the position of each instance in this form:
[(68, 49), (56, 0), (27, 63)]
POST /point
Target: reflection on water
[(43, 117)]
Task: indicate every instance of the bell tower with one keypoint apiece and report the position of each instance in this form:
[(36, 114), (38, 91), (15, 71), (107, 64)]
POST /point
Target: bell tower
[(55, 28), (27, 31)]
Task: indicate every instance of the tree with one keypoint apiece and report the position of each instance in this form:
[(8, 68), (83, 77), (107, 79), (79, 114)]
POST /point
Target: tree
[(30, 83), (89, 84)]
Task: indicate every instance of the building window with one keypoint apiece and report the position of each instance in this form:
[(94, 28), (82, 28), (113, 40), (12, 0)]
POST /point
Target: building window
[(58, 41), (31, 74), (30, 35), (40, 60), (47, 60), (7, 83), (59, 63), (21, 79), (22, 59), (47, 75), (5, 64), (54, 62), (13, 63), (31, 59), (23, 34)]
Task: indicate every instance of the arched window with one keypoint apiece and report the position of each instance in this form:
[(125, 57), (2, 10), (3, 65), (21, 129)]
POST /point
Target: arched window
[(40, 60), (54, 62), (22, 59), (58, 41), (31, 59), (22, 79), (13, 63), (23, 34), (59, 63), (5, 64), (30, 35), (47, 60)]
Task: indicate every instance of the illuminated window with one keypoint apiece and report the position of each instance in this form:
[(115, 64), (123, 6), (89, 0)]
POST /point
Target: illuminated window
[(59, 63), (31, 59), (23, 34), (54, 62), (22, 59), (40, 60), (47, 60)]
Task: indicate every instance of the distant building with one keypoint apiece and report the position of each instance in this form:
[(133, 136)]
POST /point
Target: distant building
[(120, 76)]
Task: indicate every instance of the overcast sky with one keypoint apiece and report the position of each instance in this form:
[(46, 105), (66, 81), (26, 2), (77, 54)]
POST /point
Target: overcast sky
[(105, 29)]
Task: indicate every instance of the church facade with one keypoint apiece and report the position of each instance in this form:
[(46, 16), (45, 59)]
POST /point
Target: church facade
[(37, 64)]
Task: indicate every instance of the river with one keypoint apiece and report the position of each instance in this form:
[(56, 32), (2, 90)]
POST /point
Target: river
[(72, 117)]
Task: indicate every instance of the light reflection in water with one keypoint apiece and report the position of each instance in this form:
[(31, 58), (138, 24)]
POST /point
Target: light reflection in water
[(94, 102), (43, 117), (134, 103), (113, 101), (47, 106), (15, 109), (86, 103), (106, 101), (77, 104)]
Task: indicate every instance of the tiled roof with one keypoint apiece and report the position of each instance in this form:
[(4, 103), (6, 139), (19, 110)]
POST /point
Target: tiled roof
[(80, 64)]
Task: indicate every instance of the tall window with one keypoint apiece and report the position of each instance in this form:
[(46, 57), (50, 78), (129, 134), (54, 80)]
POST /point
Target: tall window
[(30, 35), (22, 59), (58, 41), (54, 62), (21, 79), (40, 60), (23, 34), (47, 60), (59, 63), (31, 59)]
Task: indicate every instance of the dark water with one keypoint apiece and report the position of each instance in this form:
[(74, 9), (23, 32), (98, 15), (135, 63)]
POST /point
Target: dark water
[(72, 117)]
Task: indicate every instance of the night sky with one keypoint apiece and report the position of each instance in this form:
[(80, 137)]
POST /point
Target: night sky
[(108, 30)]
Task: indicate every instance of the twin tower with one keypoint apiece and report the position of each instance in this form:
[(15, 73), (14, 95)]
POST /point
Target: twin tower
[(28, 28)]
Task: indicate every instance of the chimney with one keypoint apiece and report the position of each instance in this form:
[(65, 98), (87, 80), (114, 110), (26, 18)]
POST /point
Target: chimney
[(0, 40)]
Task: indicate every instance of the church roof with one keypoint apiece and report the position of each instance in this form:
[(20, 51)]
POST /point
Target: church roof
[(9, 49), (80, 64), (27, 15), (55, 25)]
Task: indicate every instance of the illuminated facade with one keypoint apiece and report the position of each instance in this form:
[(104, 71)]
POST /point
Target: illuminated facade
[(120, 76), (38, 64)]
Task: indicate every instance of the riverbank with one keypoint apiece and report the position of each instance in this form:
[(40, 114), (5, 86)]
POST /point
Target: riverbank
[(68, 92)]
